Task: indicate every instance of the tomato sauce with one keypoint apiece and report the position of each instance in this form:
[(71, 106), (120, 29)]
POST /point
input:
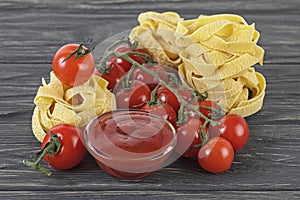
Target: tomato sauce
[(131, 144)]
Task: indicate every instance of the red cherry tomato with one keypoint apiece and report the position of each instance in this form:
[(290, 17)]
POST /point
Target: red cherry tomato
[(205, 111), (61, 148), (188, 96), (210, 104), (71, 152), (122, 63), (133, 97), (216, 155), (188, 135), (191, 99), (148, 79), (164, 110), (166, 96), (72, 71), (234, 128), (113, 75)]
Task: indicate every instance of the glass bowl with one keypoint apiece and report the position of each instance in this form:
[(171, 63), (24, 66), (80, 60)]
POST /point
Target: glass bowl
[(130, 144)]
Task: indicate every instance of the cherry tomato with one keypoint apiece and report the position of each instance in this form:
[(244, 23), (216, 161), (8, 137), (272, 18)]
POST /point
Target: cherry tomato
[(122, 63), (113, 75), (210, 104), (188, 135), (70, 70), (164, 110), (191, 99), (216, 155), (71, 152), (148, 79), (188, 96), (133, 97), (61, 148), (166, 96), (205, 111), (234, 128)]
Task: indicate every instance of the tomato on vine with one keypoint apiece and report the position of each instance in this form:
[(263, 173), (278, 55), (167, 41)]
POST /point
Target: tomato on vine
[(164, 110), (166, 96), (73, 64), (132, 94), (112, 73), (216, 155), (234, 128), (61, 148), (147, 78), (123, 63), (208, 112), (189, 138)]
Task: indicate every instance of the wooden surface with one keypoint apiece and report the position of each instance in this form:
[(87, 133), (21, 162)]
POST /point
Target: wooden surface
[(32, 30)]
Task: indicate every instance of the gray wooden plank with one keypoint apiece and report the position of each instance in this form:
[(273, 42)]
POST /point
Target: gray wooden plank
[(31, 31), (134, 6), (151, 195)]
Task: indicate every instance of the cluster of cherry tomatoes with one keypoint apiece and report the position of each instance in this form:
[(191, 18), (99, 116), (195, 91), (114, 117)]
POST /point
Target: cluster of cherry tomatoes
[(202, 133), (212, 144)]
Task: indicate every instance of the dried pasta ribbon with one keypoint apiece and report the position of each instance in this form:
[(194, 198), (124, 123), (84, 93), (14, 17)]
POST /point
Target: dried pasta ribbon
[(57, 103), (249, 106), (212, 53)]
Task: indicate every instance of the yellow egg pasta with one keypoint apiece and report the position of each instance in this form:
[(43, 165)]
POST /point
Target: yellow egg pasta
[(213, 54), (57, 103)]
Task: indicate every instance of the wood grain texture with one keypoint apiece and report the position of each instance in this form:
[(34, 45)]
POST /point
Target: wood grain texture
[(32, 30)]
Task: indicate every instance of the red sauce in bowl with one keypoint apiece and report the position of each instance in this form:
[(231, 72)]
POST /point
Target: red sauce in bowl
[(130, 144)]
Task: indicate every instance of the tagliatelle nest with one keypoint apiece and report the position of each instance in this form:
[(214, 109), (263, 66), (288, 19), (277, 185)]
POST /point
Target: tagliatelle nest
[(57, 103), (213, 54)]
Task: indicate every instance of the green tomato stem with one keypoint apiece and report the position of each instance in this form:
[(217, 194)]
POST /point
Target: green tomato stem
[(52, 148), (80, 51)]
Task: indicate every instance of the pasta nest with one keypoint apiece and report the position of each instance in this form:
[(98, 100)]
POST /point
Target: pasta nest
[(57, 103), (213, 54)]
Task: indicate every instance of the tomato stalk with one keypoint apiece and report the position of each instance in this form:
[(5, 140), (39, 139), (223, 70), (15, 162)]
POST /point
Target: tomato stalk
[(126, 83), (153, 99), (80, 51), (52, 148), (103, 68), (200, 96), (203, 135), (132, 45)]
